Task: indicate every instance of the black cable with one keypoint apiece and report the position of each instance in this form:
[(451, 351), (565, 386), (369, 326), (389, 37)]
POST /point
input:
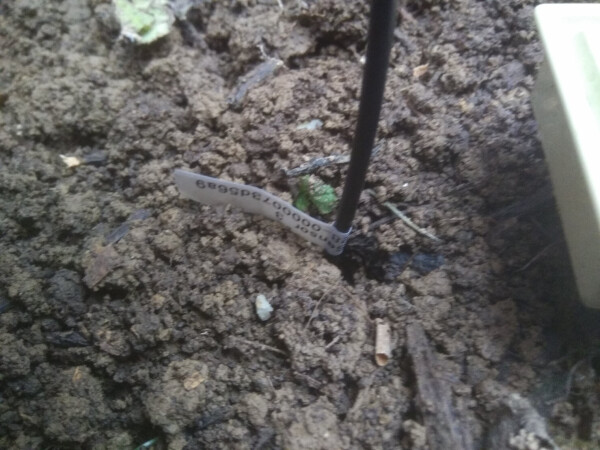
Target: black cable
[(379, 44)]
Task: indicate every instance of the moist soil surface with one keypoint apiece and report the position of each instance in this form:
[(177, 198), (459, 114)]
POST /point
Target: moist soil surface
[(127, 312)]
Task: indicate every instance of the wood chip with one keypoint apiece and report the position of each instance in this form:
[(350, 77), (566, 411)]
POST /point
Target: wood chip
[(193, 381), (76, 375), (421, 70), (517, 424), (252, 79), (104, 261), (445, 428)]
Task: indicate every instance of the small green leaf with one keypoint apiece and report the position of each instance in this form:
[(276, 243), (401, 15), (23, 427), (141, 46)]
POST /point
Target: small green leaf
[(302, 202), (312, 191), (144, 21), (324, 198)]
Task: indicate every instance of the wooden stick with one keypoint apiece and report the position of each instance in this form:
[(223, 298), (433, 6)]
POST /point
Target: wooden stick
[(446, 429), (259, 345)]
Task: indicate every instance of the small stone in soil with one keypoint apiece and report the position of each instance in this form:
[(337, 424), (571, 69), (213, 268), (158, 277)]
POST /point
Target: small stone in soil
[(263, 307), (104, 261), (66, 339)]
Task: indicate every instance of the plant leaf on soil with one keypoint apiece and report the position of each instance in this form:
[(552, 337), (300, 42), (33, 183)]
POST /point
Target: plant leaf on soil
[(313, 191), (302, 201), (144, 21), (323, 197)]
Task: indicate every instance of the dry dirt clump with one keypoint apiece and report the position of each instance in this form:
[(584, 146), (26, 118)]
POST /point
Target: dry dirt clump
[(127, 313)]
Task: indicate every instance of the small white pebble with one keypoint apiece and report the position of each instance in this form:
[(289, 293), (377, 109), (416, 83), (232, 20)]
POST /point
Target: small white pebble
[(312, 125), (263, 307), (70, 161)]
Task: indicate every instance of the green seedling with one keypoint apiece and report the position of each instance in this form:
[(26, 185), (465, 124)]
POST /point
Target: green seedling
[(144, 21), (313, 191)]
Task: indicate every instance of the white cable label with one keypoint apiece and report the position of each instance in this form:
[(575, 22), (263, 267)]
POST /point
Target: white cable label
[(213, 191)]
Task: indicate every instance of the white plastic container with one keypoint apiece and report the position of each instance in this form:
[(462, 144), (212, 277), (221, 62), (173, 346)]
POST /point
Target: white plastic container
[(566, 104)]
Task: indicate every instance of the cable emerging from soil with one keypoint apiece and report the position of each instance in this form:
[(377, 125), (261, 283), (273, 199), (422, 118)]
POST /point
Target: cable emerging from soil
[(381, 27)]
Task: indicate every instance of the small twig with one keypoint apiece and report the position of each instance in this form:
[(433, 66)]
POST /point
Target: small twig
[(569, 383), (316, 163), (410, 223), (263, 53), (538, 256), (147, 444), (256, 76), (333, 341), (405, 219), (313, 383), (314, 311), (574, 369), (270, 383), (259, 345), (323, 161)]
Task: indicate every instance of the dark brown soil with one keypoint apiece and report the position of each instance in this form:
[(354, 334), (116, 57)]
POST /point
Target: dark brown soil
[(126, 312)]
